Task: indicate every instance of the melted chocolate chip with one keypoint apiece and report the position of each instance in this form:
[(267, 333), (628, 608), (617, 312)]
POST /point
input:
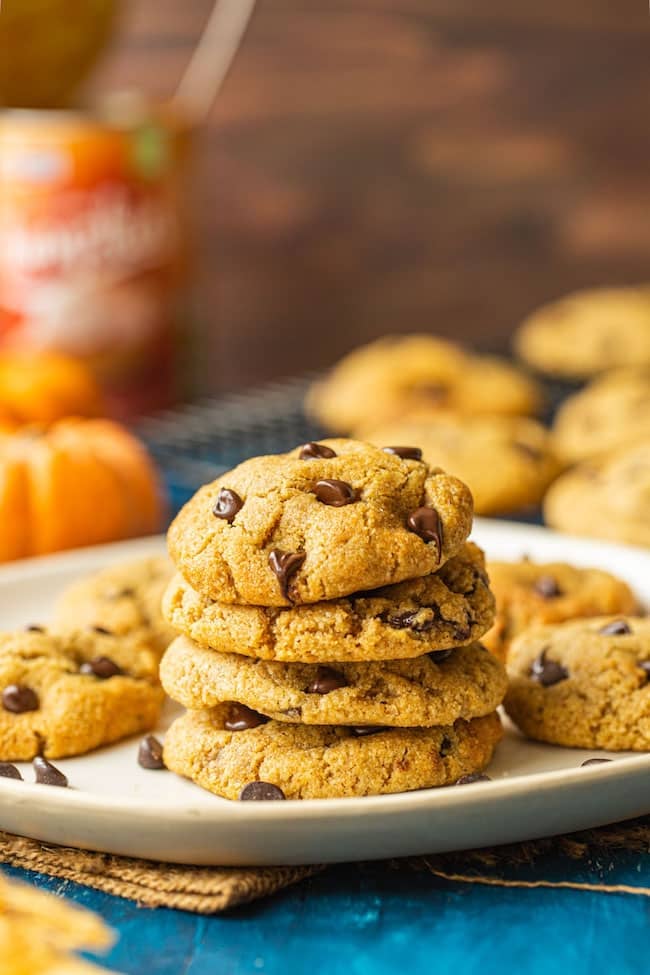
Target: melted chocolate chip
[(285, 565), (326, 680), (261, 792), (615, 628), (241, 718), (547, 587), (425, 523), (437, 656), (102, 667), (473, 777), (594, 761), (406, 453), (363, 731), (101, 630), (17, 698), (48, 774), (310, 450), (409, 621), (335, 493), (227, 505), (547, 672), (150, 753), (35, 629), (9, 771), (445, 747)]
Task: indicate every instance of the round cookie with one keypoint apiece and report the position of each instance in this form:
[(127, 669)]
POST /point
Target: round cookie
[(507, 462), (607, 499), (529, 593), (584, 684), (445, 609), (318, 523), (611, 413), (124, 599), (588, 332), (65, 695), (276, 760), (467, 682), (399, 373)]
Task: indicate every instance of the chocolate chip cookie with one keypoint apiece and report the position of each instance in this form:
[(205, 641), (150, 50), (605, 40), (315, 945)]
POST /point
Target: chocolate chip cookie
[(445, 609), (507, 462), (611, 413), (530, 593), (605, 499), (396, 374), (321, 522), (274, 760), (437, 688), (588, 332), (65, 695), (583, 684), (123, 599)]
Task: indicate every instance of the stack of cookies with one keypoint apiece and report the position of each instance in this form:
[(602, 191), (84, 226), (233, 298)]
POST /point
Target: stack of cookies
[(329, 602)]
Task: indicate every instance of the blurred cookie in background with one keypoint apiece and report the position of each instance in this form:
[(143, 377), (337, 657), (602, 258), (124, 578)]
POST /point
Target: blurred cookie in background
[(506, 461), (612, 412), (401, 373), (587, 333)]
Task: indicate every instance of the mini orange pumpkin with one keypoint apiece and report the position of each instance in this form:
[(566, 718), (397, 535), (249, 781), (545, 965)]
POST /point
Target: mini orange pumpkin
[(44, 387), (80, 482)]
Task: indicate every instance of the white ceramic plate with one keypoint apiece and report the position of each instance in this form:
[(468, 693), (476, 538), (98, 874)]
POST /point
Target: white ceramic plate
[(118, 807)]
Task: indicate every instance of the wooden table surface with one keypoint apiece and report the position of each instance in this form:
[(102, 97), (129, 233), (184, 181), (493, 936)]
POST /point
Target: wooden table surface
[(386, 165)]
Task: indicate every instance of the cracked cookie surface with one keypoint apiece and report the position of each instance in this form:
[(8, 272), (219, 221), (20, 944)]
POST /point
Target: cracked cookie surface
[(65, 695), (445, 609), (583, 684), (320, 522), (319, 762), (466, 682)]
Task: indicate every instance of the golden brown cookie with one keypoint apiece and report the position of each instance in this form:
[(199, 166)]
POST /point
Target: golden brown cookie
[(445, 609), (605, 499), (399, 373), (321, 522), (506, 461), (531, 593), (583, 684), (124, 599), (436, 688), (588, 332), (65, 695), (285, 761)]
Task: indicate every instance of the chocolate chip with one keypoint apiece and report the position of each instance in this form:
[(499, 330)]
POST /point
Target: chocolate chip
[(102, 667), (425, 523), (310, 450), (410, 621), (327, 679), (241, 718), (18, 699), (227, 505), (445, 747), (594, 761), (285, 565), (47, 774), (101, 630), (437, 656), (406, 453), (547, 587), (473, 777), (335, 493), (615, 628), (150, 753), (547, 672), (261, 792), (35, 629), (363, 731), (9, 771)]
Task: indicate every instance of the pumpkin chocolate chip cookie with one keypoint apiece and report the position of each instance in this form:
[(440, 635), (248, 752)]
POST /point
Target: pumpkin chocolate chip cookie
[(320, 522), (583, 684), (247, 757), (65, 695), (436, 688), (529, 593), (450, 607)]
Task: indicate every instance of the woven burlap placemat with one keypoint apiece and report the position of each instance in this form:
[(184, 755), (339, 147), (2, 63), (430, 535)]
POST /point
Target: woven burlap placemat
[(577, 861)]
